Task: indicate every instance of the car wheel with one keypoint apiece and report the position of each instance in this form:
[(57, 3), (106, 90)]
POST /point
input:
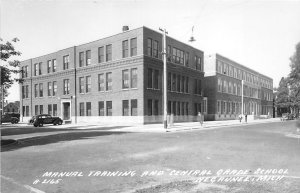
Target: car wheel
[(35, 125), (59, 122), (41, 125), (12, 122)]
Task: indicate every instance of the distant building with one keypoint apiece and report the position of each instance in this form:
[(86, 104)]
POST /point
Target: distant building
[(12, 107), (115, 79), (223, 89)]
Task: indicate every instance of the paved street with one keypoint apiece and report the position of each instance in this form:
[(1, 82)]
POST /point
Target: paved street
[(114, 159)]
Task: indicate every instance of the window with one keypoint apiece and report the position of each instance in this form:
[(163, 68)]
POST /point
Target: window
[(219, 106), (134, 78), (150, 78), (23, 92), (230, 88), (41, 89), (133, 47), (219, 64), (178, 56), (134, 107), (155, 49), (100, 82), (156, 79), (108, 81), (149, 47), (66, 86), (125, 48), (187, 85), (49, 66), (26, 91), (49, 88), (88, 82), (125, 79), (88, 57), (54, 109), (50, 109), (81, 59), (40, 68), (36, 110), (173, 82), (169, 81), (41, 109), (88, 108), (35, 69), (54, 88), (108, 53), (101, 108), (81, 84), (225, 68), (225, 87), (169, 54), (149, 107), (187, 58), (178, 83), (54, 65), (109, 108), (198, 63), (182, 84), (125, 107), (156, 105), (234, 88), (101, 54), (219, 85), (81, 109), (66, 62)]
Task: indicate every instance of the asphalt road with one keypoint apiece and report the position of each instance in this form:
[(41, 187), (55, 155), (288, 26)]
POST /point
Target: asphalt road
[(86, 160)]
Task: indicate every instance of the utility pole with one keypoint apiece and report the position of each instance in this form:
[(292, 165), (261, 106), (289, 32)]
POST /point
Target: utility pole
[(164, 53), (242, 97)]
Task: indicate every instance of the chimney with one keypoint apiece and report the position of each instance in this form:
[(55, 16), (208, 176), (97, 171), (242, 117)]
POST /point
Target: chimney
[(125, 28)]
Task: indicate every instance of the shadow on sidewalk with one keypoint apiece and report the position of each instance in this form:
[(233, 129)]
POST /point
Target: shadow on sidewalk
[(58, 137), (29, 130)]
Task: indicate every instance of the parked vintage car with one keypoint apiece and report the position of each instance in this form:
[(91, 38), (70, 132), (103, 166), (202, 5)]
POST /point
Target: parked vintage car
[(42, 119), (8, 118)]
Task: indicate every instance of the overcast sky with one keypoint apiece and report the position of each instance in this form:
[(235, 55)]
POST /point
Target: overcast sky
[(258, 34)]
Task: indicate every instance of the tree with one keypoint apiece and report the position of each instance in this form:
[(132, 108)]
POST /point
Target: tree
[(8, 66), (282, 100), (294, 80)]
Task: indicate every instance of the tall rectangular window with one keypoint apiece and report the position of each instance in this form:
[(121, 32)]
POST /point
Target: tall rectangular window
[(125, 108), (125, 79), (54, 65), (35, 71), (50, 109), (66, 86), (81, 84), (182, 84), (100, 82), (49, 66), (41, 109), (108, 81), (23, 92), (219, 85), (178, 82), (101, 108), (149, 107), (66, 60), (187, 85), (36, 109), (88, 109), (149, 47), (133, 78), (134, 107), (54, 109), (101, 54), (54, 88), (187, 59), (26, 71), (40, 68), (156, 79), (41, 89), (125, 48), (88, 57), (26, 91), (156, 106), (169, 81), (169, 53), (81, 109), (108, 108), (173, 82), (150, 78), (88, 82), (81, 59), (49, 88), (133, 47), (155, 49), (108, 53)]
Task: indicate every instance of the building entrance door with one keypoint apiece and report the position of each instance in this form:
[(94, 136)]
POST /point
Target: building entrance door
[(66, 111)]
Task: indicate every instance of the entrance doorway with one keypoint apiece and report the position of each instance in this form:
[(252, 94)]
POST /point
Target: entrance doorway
[(66, 111)]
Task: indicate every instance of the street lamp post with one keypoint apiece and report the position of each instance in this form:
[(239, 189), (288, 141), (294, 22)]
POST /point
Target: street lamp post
[(242, 97), (164, 53)]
